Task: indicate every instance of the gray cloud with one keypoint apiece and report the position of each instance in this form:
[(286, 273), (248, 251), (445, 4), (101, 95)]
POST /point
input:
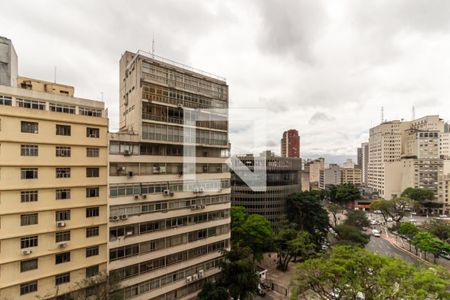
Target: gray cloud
[(309, 63)]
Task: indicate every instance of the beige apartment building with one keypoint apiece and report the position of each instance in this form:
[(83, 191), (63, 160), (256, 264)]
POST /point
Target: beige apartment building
[(351, 176), (168, 219), (410, 154), (53, 188), (315, 167)]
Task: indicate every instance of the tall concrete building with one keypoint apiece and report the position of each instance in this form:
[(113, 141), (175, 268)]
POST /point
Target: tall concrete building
[(53, 188), (409, 154), (283, 179), (364, 163), (166, 229), (8, 63), (290, 144), (330, 176)]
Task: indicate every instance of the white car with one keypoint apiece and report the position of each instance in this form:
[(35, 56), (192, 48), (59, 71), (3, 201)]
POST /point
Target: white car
[(376, 233)]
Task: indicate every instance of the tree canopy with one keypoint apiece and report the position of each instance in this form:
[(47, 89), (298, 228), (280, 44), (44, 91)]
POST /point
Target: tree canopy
[(350, 272), (427, 242), (253, 231), (351, 235), (357, 218), (306, 211), (212, 291), (395, 208), (418, 194), (347, 192), (439, 228)]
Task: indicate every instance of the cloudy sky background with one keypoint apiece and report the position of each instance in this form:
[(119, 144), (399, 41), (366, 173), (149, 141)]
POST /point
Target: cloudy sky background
[(322, 67)]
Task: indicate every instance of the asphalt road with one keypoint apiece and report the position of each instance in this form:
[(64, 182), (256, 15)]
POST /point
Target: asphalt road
[(383, 247)]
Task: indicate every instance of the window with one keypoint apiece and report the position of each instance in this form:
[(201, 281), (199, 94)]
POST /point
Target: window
[(28, 265), (91, 271), (62, 194), (29, 127), (62, 215), (62, 258), (92, 231), (92, 132), (5, 100), (29, 196), (62, 278), (28, 219), (92, 152), (90, 112), (28, 173), (28, 242), (33, 104), (28, 287), (62, 236), (62, 151), (92, 172), (64, 108), (29, 150), (62, 172), (92, 251), (63, 130), (92, 192), (92, 212)]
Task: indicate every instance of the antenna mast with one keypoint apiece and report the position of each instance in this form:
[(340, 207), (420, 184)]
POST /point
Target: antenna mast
[(413, 112), (153, 46), (382, 114)]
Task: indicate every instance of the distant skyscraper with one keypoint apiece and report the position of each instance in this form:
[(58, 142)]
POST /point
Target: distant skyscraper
[(359, 158), (290, 144), (364, 161)]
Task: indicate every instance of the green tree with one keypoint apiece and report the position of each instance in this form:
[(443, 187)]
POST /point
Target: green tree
[(238, 216), (346, 193), (212, 291), (427, 242), (334, 209), (351, 235), (395, 208), (409, 230), (306, 211), (238, 273), (349, 272), (439, 228), (418, 194), (330, 192), (357, 218), (256, 233)]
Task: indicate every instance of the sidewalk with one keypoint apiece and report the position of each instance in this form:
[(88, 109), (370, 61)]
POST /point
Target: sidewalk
[(404, 246)]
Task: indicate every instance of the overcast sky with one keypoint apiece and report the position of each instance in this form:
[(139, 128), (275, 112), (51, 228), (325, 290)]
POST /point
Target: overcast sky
[(322, 67)]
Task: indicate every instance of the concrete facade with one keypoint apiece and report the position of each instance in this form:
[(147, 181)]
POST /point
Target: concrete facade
[(53, 192), (166, 228)]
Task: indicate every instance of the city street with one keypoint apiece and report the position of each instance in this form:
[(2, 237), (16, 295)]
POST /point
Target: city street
[(383, 247)]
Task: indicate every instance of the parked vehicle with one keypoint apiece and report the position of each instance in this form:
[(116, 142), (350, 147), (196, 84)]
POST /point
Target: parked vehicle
[(376, 233)]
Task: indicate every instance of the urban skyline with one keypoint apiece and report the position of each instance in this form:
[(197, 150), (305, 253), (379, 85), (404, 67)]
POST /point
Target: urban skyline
[(333, 85)]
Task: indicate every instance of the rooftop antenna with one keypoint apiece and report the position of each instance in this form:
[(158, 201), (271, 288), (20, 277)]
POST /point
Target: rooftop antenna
[(413, 112), (153, 46), (382, 114)]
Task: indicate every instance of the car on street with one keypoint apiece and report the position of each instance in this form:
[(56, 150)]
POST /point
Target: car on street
[(376, 233)]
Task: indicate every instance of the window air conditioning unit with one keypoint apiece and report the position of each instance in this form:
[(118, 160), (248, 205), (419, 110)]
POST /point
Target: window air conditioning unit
[(166, 192), (136, 197), (124, 217), (196, 190), (121, 169), (193, 207), (26, 251), (202, 206), (130, 174), (60, 224), (201, 273), (179, 105), (115, 218), (62, 245), (189, 279), (144, 196), (195, 277), (127, 152)]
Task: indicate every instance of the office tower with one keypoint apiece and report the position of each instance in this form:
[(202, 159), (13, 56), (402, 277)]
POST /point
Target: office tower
[(314, 167), (330, 176), (364, 162), (283, 179), (53, 190), (166, 229), (8, 63), (359, 157), (290, 144)]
